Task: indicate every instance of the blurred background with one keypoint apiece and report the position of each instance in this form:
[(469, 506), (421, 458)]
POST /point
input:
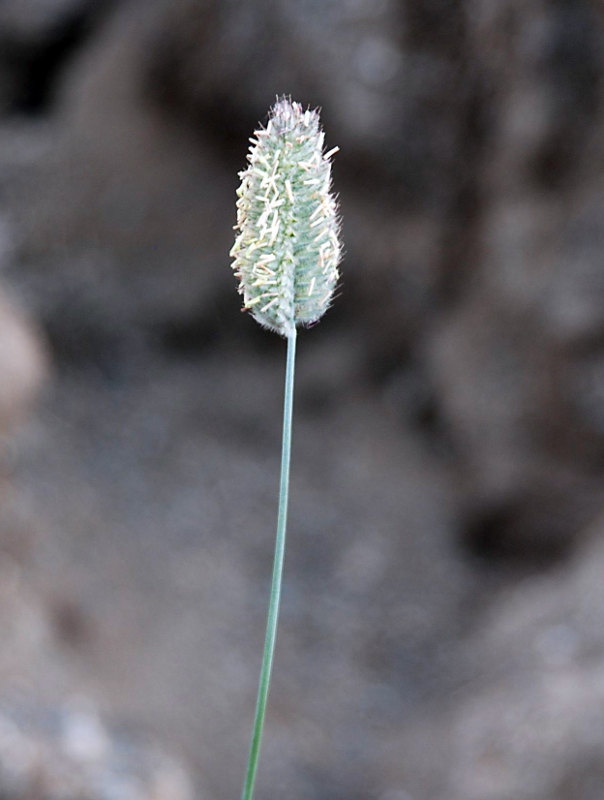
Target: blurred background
[(442, 629)]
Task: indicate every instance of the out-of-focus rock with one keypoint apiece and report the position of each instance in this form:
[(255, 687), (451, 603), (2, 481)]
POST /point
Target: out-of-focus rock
[(525, 720), (516, 359), (54, 745), (30, 658), (68, 751), (34, 20), (382, 72), (530, 479), (23, 364), (535, 729), (37, 37), (121, 194)]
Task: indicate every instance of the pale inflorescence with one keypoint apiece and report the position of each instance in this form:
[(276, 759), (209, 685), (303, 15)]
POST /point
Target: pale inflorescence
[(287, 250)]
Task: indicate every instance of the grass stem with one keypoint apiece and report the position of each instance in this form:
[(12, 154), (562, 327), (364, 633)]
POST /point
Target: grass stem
[(273, 608)]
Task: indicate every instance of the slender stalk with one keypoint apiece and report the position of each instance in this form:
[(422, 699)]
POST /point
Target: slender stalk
[(273, 608)]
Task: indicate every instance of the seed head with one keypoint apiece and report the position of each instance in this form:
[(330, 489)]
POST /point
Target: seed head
[(287, 248)]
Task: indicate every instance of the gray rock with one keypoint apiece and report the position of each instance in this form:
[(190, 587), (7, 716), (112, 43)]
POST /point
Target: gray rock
[(67, 751), (23, 365), (37, 38), (534, 729)]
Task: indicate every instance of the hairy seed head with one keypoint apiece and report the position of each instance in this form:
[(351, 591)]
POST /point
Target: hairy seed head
[(287, 248)]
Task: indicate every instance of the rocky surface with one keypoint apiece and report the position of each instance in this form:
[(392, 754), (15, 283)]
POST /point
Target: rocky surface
[(55, 744), (23, 365), (441, 618), (67, 752)]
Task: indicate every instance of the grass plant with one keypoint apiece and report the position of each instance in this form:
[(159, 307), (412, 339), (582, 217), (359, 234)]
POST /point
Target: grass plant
[(286, 257)]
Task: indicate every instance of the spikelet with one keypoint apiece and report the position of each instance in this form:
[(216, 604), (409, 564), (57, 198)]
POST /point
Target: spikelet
[(287, 248)]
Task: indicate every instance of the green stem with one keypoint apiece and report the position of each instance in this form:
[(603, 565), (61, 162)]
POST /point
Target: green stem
[(273, 608)]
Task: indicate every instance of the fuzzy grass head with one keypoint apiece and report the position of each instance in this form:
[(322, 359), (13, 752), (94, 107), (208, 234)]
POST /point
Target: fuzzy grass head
[(287, 249)]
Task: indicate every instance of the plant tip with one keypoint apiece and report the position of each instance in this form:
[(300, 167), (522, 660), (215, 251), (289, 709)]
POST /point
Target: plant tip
[(287, 250)]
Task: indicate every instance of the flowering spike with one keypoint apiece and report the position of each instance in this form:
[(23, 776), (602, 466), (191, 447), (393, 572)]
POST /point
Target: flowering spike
[(287, 251)]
